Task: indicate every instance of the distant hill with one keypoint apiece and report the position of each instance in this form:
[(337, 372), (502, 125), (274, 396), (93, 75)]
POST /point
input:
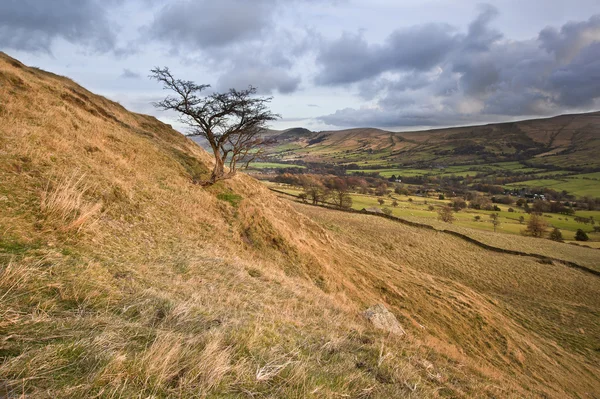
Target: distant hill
[(566, 141)]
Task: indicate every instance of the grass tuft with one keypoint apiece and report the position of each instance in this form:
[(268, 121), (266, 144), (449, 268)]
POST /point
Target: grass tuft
[(65, 205)]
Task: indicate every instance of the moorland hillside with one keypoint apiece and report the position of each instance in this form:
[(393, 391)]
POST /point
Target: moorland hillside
[(119, 277)]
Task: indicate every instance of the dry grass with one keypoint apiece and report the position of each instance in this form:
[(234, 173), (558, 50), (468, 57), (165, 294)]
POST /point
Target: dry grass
[(65, 204), (169, 291), (584, 256), (512, 310)]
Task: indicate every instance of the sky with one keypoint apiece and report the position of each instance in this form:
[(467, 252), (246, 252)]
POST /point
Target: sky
[(328, 64)]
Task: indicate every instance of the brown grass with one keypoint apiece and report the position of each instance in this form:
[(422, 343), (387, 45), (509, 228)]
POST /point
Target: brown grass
[(65, 204), (170, 291)]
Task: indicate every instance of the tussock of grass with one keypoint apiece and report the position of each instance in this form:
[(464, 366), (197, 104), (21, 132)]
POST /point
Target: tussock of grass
[(65, 205)]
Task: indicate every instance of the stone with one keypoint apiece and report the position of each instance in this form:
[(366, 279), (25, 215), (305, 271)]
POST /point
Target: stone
[(383, 319)]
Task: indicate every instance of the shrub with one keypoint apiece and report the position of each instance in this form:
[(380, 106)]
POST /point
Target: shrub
[(556, 235), (581, 235), (459, 204), (387, 211), (446, 214)]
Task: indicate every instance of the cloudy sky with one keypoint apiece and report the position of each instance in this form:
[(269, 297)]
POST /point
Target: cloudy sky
[(329, 64)]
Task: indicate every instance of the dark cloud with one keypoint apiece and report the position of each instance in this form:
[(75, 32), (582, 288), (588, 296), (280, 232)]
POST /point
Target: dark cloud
[(204, 24), (578, 83), (571, 39), (239, 38), (480, 36), (33, 25), (479, 77), (351, 59)]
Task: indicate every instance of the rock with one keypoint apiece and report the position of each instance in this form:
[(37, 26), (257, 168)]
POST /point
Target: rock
[(372, 210), (383, 319)]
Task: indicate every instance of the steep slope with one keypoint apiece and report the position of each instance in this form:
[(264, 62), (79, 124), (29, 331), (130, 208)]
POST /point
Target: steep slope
[(568, 141), (121, 278)]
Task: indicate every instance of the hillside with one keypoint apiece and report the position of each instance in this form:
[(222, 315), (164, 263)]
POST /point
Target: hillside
[(119, 277), (566, 141)]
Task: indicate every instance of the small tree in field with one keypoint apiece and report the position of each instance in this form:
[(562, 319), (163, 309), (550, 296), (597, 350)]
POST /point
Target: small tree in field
[(581, 235), (231, 122), (314, 191), (340, 194), (556, 235), (446, 214), (381, 201), (536, 226), (521, 219), (395, 204), (495, 220)]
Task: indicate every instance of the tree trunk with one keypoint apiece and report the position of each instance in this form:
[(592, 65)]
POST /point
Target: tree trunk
[(218, 170)]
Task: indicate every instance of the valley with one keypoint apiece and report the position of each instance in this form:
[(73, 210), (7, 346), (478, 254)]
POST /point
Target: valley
[(422, 171), (121, 276)]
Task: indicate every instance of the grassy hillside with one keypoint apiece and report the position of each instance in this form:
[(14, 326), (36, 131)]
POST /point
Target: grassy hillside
[(121, 278)]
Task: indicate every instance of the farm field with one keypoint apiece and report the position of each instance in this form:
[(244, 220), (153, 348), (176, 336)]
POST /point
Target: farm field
[(576, 185), (418, 207), (273, 165)]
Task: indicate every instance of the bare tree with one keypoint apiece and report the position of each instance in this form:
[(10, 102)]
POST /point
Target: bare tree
[(495, 220), (315, 191), (446, 214), (536, 226), (340, 194), (231, 122)]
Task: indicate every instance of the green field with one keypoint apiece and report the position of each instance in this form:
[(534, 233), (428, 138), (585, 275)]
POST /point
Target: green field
[(576, 185), (273, 165), (418, 207)]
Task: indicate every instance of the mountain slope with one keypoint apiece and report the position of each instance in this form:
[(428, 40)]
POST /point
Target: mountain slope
[(121, 278), (568, 141)]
